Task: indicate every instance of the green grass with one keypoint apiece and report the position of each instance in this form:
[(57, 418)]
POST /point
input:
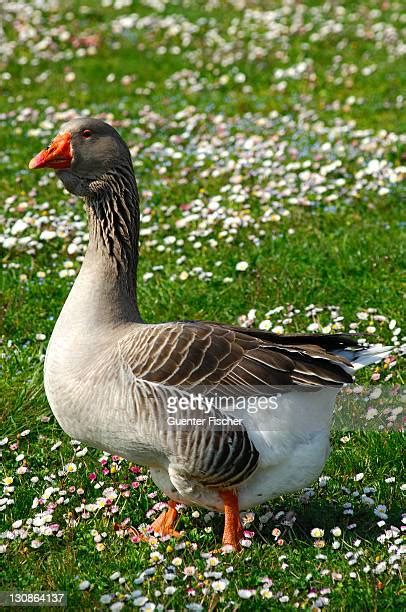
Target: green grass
[(351, 256)]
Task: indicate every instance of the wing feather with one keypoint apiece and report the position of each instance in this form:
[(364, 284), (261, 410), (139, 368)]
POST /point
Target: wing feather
[(188, 354)]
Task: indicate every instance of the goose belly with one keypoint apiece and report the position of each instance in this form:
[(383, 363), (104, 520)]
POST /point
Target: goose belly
[(304, 464), (293, 445), (299, 469)]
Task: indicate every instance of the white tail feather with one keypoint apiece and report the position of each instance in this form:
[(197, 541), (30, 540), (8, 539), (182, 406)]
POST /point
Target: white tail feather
[(361, 357)]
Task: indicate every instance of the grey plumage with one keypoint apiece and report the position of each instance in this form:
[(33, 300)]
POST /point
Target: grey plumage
[(109, 375)]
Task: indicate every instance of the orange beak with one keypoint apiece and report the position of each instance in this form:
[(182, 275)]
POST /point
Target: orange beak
[(58, 155)]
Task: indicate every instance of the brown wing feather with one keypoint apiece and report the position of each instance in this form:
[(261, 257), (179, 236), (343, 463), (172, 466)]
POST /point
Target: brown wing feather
[(186, 354)]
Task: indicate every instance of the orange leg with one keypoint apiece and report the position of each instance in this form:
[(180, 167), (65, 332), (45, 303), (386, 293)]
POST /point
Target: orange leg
[(233, 530), (163, 525)]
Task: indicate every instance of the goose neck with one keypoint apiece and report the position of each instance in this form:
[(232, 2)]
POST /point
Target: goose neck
[(112, 255)]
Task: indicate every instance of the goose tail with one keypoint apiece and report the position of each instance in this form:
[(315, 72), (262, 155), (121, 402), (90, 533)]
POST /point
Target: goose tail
[(361, 357)]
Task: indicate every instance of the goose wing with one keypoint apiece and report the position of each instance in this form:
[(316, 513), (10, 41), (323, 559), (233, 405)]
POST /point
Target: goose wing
[(186, 354), (179, 357)]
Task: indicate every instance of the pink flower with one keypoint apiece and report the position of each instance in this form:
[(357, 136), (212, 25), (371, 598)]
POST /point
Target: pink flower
[(105, 471), (135, 469), (135, 484), (92, 476)]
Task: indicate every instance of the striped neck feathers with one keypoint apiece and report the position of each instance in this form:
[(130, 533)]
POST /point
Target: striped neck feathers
[(113, 213)]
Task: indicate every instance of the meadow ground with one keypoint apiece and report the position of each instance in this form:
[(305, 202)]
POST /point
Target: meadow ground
[(266, 138)]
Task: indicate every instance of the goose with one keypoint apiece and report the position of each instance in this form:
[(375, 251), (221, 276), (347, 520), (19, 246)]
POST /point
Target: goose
[(149, 392)]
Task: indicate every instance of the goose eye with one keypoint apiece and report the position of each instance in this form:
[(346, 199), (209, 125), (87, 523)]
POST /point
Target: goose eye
[(86, 133)]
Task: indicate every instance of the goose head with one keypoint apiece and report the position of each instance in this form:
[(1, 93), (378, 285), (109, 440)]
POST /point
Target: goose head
[(83, 153)]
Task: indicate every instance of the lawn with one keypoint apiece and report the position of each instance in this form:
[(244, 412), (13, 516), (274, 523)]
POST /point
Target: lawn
[(267, 143)]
